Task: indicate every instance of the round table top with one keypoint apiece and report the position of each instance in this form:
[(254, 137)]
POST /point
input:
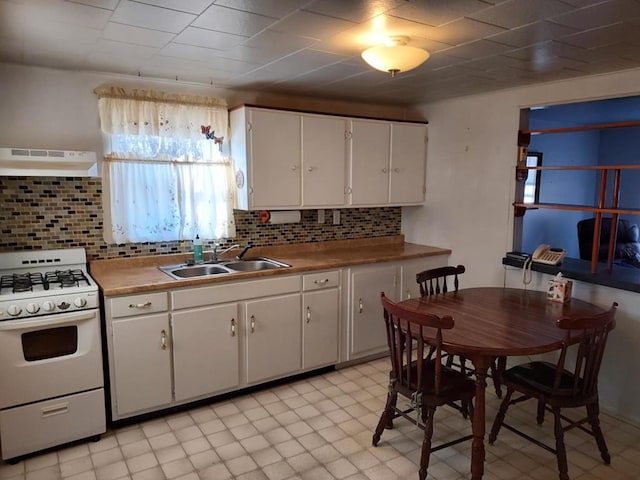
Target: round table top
[(500, 321)]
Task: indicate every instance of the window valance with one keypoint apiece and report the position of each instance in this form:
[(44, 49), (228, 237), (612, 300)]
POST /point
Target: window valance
[(160, 114)]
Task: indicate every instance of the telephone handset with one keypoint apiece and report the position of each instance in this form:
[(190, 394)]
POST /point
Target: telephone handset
[(549, 255)]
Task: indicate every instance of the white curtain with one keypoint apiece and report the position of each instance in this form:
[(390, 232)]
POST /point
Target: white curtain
[(166, 176)]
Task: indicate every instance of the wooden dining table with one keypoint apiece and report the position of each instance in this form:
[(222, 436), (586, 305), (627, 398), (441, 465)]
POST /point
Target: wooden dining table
[(492, 322)]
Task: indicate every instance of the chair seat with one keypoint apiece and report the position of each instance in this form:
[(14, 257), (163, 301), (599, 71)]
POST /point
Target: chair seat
[(454, 385), (540, 376)]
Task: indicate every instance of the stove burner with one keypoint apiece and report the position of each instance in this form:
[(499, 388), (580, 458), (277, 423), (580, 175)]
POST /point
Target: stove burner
[(66, 278), (22, 282)]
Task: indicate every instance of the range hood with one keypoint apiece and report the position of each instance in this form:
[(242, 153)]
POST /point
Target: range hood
[(38, 162)]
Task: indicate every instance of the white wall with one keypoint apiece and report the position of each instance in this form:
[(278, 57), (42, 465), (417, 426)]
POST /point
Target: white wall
[(470, 186)]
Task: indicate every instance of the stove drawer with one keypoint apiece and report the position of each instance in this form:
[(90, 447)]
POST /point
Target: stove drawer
[(41, 425)]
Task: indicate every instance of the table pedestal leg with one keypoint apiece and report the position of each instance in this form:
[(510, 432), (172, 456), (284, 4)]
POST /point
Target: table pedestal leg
[(481, 365)]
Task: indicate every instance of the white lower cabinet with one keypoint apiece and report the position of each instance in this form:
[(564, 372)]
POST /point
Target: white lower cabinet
[(141, 367), (367, 334), (320, 319), (273, 337), (205, 344), (409, 268)]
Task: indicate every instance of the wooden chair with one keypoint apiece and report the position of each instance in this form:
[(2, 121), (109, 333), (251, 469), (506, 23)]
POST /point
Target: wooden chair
[(422, 379), (438, 280), (560, 386)]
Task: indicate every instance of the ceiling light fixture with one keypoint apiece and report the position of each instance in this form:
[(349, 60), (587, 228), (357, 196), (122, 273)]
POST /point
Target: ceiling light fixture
[(395, 56)]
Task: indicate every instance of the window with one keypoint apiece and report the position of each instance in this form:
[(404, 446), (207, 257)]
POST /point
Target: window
[(532, 183), (165, 173)]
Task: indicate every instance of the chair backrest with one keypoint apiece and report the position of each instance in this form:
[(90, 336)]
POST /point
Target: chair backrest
[(409, 331), (434, 281), (592, 333)]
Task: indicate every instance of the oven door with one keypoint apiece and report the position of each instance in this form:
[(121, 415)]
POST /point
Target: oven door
[(49, 356)]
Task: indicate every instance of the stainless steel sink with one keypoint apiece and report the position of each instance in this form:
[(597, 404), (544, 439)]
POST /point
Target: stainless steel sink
[(253, 265), (233, 266)]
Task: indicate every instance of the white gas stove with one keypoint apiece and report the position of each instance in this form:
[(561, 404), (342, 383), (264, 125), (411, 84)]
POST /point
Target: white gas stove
[(45, 282)]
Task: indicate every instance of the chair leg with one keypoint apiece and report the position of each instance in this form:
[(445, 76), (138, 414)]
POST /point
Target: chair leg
[(593, 410), (497, 368), (561, 451), (541, 408), (427, 413), (497, 423), (386, 419)]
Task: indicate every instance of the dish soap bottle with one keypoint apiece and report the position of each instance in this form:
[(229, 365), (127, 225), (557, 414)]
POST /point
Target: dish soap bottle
[(197, 249)]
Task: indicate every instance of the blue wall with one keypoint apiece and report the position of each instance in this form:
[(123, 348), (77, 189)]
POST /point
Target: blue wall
[(620, 146)]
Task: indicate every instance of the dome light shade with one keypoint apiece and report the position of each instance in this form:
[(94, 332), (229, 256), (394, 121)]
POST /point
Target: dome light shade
[(395, 57)]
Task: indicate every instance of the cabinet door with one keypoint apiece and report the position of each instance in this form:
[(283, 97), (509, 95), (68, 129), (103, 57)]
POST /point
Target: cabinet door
[(323, 161), (320, 328), (408, 163), (409, 268), (142, 363), (275, 159), (274, 341), (367, 321), (369, 162), (205, 351)]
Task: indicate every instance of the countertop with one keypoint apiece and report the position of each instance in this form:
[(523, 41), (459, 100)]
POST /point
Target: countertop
[(124, 276)]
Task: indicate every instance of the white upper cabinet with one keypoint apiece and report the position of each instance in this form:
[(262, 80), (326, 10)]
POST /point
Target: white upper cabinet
[(388, 163), (290, 160), (323, 161)]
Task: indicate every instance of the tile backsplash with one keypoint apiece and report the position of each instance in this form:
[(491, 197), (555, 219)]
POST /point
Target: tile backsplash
[(60, 212)]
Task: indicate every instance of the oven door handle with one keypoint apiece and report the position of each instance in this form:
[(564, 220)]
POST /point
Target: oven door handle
[(48, 321)]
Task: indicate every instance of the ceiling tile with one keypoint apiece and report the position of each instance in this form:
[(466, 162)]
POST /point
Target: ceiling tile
[(312, 25), (188, 6), (202, 37), (532, 33), (353, 10), (149, 16), (247, 54), (136, 35), (233, 21), (436, 12), (478, 49), (515, 13), (463, 30), (120, 49), (598, 37), (279, 42), (206, 56), (108, 4), (600, 14), (269, 8)]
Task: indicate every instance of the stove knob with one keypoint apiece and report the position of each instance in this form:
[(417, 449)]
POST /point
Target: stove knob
[(63, 306), (14, 310), (80, 302), (48, 306), (32, 308)]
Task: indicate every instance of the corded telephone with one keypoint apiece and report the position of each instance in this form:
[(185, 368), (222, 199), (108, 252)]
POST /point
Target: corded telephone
[(549, 255)]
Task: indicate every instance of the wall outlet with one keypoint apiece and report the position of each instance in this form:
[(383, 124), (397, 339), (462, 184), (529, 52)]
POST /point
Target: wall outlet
[(336, 217), (320, 216)]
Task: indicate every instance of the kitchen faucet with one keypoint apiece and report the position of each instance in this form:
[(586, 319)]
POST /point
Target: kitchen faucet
[(215, 254), (244, 251)]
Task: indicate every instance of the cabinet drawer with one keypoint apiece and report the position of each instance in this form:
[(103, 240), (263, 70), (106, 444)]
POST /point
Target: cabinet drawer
[(137, 304), (316, 281), (233, 292)]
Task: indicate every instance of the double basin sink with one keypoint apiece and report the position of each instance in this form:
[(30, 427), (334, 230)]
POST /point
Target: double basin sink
[(183, 271)]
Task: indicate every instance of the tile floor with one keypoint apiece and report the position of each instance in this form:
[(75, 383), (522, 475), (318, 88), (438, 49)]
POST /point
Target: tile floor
[(320, 428)]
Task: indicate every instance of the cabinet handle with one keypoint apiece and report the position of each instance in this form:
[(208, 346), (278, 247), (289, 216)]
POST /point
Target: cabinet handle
[(163, 340), (140, 305), (311, 169), (233, 327), (321, 282), (397, 170), (308, 314), (360, 305), (294, 167), (385, 170), (408, 294), (253, 323)]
